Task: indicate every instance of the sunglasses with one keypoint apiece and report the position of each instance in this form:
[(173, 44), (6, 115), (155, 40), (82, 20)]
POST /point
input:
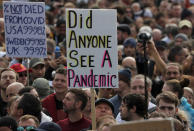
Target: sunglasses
[(27, 128)]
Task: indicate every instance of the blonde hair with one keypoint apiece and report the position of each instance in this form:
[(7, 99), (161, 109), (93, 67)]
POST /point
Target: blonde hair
[(27, 117)]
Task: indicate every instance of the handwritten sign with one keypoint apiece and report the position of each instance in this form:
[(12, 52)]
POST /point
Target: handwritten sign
[(25, 34), (146, 125), (91, 37)]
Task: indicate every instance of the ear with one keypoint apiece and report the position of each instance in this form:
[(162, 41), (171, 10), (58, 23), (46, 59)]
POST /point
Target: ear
[(19, 112), (176, 110), (133, 109)]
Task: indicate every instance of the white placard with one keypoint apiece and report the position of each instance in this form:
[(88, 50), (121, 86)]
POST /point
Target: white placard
[(91, 38), (25, 34)]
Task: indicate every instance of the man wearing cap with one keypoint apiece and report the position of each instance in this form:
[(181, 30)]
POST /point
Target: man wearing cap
[(185, 27), (22, 73), (53, 102), (37, 68), (129, 47), (42, 87), (74, 103), (124, 84)]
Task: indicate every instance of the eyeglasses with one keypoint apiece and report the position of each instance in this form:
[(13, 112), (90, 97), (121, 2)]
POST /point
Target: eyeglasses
[(27, 128), (22, 74)]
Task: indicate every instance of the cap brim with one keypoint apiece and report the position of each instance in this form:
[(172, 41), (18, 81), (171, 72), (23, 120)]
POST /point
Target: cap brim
[(38, 63)]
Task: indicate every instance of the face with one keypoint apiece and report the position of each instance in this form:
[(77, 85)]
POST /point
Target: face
[(123, 88), (103, 109), (137, 87), (120, 37), (13, 111), (38, 71), (124, 112), (172, 72), (30, 123), (69, 103), (186, 30), (60, 83), (167, 108), (129, 51), (22, 77), (7, 77), (10, 92), (189, 97)]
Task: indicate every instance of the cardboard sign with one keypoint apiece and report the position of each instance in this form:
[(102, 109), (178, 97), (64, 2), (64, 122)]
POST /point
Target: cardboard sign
[(91, 38), (145, 125), (25, 34)]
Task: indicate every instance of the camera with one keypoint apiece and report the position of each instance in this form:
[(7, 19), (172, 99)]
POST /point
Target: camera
[(144, 36)]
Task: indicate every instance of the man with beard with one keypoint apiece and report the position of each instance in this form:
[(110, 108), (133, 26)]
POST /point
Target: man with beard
[(7, 77), (133, 107), (74, 103)]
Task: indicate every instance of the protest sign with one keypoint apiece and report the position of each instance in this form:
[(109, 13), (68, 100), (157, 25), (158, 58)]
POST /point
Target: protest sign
[(91, 38), (25, 34), (145, 125)]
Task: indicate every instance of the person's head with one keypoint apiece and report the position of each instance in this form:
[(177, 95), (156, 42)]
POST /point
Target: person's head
[(13, 89), (29, 89), (177, 54), (129, 47), (130, 62), (175, 86), (12, 106), (42, 87), (104, 123), (7, 123), (27, 122), (133, 107), (75, 100), (156, 34), (48, 126), (167, 103), (123, 32), (188, 94), (138, 85), (124, 82), (37, 66), (176, 10), (180, 38), (60, 81), (185, 27), (29, 104), (173, 71), (103, 107), (22, 72), (7, 76)]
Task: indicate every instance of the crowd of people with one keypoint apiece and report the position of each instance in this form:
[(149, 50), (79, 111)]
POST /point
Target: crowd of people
[(158, 84)]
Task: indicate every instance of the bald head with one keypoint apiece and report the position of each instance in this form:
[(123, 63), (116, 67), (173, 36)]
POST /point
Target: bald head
[(13, 89), (129, 62)]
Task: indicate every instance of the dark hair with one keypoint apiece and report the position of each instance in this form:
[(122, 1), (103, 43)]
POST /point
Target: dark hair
[(30, 105), (178, 86), (27, 89), (176, 50), (9, 122), (80, 95), (61, 71), (167, 97), (138, 101)]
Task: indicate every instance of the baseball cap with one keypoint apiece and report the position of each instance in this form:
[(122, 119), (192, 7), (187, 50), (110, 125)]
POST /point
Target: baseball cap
[(36, 61), (130, 42), (186, 23), (106, 101), (42, 87), (18, 67), (182, 36), (48, 126), (125, 75)]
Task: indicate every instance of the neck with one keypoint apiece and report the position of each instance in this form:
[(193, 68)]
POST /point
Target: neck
[(136, 117), (60, 96), (3, 96), (75, 116)]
